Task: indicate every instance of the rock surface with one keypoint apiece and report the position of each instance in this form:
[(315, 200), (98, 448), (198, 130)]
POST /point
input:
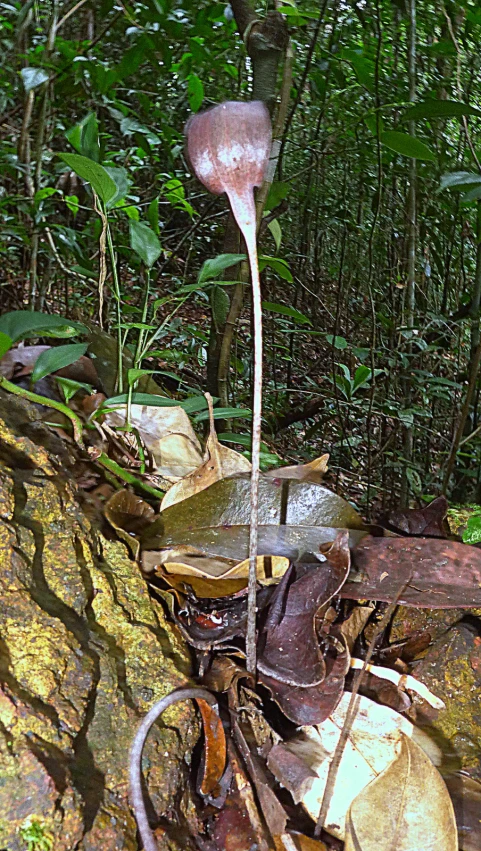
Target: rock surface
[(84, 653)]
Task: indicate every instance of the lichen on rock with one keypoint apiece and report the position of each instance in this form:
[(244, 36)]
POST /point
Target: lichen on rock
[(84, 654)]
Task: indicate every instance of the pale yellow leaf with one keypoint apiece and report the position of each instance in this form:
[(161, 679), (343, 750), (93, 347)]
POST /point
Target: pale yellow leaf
[(407, 808), (219, 463), (167, 433)]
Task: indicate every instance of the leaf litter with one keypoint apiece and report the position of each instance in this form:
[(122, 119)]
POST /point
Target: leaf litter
[(309, 624), (316, 559)]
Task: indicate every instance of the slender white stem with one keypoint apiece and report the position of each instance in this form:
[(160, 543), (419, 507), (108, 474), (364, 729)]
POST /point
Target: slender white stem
[(244, 212)]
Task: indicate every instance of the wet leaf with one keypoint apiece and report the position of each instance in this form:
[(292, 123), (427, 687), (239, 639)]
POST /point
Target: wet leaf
[(215, 750), (231, 542), (429, 521), (227, 503), (406, 808), (305, 706), (439, 574), (219, 462), (167, 433), (312, 472)]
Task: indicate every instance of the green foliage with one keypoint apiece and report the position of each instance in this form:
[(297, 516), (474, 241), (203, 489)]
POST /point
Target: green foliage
[(57, 358), (472, 533), (35, 835), (334, 259), (144, 242), (21, 324), (407, 146), (100, 180)]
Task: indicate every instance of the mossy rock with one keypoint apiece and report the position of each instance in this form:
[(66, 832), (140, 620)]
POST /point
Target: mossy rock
[(84, 653)]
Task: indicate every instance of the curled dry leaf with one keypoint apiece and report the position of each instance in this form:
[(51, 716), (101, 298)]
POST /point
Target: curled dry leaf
[(219, 463), (129, 515), (168, 435), (312, 472), (439, 574), (302, 764), (406, 808), (196, 572)]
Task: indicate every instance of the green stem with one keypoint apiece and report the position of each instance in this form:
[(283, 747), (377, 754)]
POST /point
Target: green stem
[(138, 356), (115, 278), (117, 470), (49, 403)]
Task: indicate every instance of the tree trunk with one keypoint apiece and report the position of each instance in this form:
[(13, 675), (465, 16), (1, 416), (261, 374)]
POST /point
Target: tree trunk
[(84, 653)]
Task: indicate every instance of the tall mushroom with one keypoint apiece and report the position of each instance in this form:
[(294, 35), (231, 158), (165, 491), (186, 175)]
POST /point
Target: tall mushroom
[(229, 148)]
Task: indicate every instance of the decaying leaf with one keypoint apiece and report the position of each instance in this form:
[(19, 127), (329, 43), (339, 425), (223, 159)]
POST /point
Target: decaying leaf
[(429, 521), (305, 678), (20, 360), (219, 463), (289, 645), (406, 808), (312, 472), (302, 764), (168, 435), (439, 574)]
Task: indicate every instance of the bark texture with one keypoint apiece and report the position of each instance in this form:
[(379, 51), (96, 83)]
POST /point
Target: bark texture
[(84, 653)]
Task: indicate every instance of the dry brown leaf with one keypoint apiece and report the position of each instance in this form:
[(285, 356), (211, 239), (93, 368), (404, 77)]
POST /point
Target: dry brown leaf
[(168, 435), (312, 472), (215, 749), (219, 463), (407, 808)]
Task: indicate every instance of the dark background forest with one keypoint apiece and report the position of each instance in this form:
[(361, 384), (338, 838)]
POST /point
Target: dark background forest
[(370, 238)]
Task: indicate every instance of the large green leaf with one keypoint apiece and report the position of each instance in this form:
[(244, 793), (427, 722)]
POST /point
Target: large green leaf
[(122, 183), (211, 268), (195, 89), (439, 109), (56, 358), (20, 324), (459, 180), (283, 503), (190, 406), (94, 173), (407, 146), (84, 137), (285, 310), (279, 266), (144, 242)]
